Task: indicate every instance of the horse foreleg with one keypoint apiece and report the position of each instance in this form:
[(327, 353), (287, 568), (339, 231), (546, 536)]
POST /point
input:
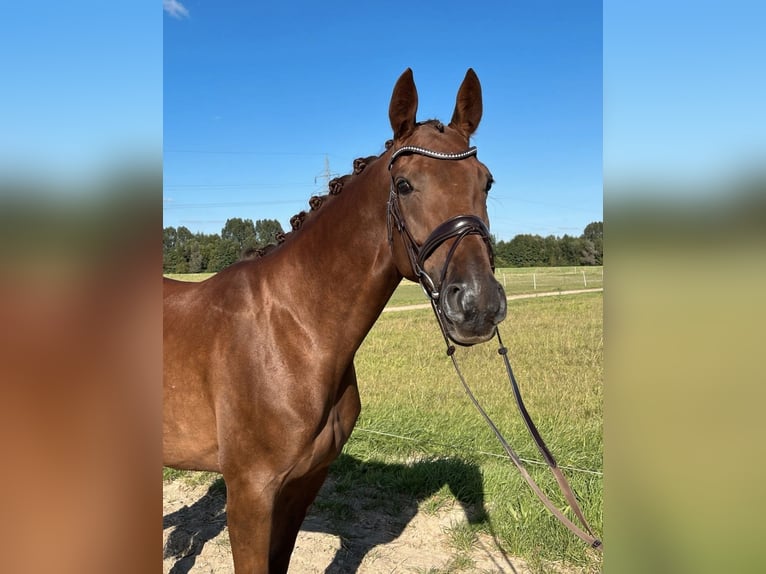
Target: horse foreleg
[(292, 504), (249, 514)]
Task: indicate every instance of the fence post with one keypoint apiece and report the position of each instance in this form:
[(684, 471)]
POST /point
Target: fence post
[(534, 281), (584, 281)]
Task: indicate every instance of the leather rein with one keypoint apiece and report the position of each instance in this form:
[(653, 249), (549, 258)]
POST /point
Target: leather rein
[(460, 227)]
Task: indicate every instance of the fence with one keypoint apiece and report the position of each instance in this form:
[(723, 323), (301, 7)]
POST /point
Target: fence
[(546, 279)]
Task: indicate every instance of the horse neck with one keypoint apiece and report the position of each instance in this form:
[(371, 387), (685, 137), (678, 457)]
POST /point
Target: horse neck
[(342, 259)]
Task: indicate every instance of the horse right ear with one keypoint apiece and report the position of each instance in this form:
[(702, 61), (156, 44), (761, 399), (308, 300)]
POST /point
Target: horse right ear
[(468, 105), (404, 105)]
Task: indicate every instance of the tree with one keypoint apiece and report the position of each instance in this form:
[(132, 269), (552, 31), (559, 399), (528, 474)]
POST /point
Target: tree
[(552, 251), (169, 259), (501, 253), (240, 231), (593, 244), (178, 255), (594, 231), (588, 255), (195, 257), (183, 252), (226, 252), (169, 237), (208, 244), (526, 250), (183, 235), (571, 248), (266, 231)]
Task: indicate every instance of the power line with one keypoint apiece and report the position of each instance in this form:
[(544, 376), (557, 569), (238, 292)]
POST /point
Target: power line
[(233, 185), (173, 205), (242, 152)]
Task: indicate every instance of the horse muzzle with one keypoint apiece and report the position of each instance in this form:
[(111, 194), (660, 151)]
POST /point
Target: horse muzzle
[(470, 303), (472, 309)]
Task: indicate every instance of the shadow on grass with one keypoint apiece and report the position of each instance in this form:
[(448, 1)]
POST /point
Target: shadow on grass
[(365, 504)]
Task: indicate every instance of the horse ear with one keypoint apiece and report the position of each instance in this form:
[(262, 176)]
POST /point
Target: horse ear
[(403, 106), (468, 108)]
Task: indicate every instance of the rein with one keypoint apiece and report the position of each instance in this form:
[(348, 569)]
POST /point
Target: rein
[(459, 227)]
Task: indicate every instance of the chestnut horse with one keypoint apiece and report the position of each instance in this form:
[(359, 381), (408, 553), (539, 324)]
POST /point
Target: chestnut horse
[(259, 380)]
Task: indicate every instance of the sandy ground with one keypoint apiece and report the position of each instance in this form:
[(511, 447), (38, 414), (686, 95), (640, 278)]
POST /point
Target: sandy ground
[(411, 539)]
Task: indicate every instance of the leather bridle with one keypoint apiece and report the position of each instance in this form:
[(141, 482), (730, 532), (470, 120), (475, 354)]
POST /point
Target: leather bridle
[(456, 227), (460, 227)]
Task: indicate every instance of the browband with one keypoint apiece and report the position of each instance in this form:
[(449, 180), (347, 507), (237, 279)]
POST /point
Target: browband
[(408, 149)]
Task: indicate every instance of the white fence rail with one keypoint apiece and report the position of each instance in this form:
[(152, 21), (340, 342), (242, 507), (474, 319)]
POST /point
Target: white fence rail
[(550, 279)]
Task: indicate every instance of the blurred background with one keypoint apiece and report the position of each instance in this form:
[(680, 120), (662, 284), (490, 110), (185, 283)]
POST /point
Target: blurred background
[(685, 239), (80, 308)]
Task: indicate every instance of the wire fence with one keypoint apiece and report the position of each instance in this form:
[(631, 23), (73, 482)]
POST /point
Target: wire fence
[(546, 279)]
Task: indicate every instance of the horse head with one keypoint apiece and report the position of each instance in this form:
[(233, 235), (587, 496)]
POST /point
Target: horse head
[(438, 223)]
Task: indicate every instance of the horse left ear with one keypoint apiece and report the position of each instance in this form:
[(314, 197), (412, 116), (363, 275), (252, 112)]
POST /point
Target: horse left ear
[(468, 107), (403, 106)]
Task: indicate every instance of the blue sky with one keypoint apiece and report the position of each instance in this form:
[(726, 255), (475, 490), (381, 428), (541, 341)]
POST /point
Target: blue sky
[(684, 89), (83, 88), (79, 94), (260, 97)]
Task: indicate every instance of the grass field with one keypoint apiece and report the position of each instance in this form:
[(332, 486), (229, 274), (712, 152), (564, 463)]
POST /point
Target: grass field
[(409, 389), (419, 436)]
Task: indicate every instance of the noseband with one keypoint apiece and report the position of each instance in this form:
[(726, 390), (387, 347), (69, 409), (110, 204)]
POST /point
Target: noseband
[(456, 227)]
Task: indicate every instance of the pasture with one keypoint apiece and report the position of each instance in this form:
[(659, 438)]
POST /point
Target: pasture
[(420, 442)]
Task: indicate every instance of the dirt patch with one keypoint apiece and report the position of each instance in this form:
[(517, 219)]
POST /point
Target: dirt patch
[(364, 535)]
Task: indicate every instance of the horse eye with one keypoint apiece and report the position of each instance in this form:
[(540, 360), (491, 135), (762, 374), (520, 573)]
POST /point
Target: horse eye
[(403, 186), (490, 181)]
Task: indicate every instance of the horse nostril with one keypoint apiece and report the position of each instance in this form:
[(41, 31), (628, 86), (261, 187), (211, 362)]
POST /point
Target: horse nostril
[(453, 301)]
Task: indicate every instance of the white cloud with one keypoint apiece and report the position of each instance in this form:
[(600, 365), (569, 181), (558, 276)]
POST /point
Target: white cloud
[(175, 8)]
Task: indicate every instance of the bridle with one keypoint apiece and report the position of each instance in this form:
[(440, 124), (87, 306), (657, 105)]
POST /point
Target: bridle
[(460, 227)]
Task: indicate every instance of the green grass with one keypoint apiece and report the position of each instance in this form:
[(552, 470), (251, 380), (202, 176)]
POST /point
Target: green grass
[(442, 453), (189, 276), (189, 478), (409, 389)]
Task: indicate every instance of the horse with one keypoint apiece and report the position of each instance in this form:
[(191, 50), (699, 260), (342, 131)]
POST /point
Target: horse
[(258, 360)]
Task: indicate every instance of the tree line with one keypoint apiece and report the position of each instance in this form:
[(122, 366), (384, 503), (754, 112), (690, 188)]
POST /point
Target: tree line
[(535, 251), (187, 252)]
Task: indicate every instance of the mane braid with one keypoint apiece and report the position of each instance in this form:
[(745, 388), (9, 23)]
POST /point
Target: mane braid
[(297, 220), (316, 201), (335, 186)]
